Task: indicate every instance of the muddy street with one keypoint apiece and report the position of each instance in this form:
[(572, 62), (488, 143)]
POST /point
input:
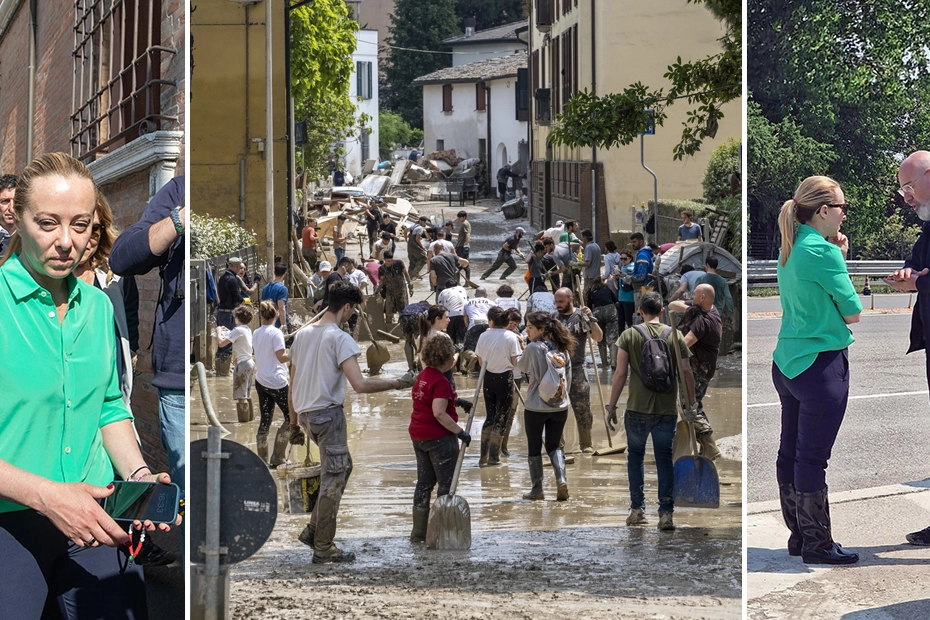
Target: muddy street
[(528, 559)]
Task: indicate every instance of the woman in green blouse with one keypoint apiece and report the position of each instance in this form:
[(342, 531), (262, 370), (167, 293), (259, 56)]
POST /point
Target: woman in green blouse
[(810, 363), (63, 424)]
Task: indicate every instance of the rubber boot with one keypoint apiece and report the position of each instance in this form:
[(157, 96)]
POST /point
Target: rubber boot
[(494, 448), (251, 410), (411, 362), (818, 546), (708, 446), (585, 444), (261, 446), (485, 447), (420, 519), (536, 476), (279, 453), (788, 497), (242, 410), (557, 458)]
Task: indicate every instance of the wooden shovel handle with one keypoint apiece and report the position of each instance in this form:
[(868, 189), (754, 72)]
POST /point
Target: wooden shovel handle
[(471, 418)]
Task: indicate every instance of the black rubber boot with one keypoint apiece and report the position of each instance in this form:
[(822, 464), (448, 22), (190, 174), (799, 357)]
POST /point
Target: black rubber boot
[(494, 448), (280, 445), (557, 458), (261, 446), (536, 476), (485, 447), (814, 522), (789, 512), (420, 519)]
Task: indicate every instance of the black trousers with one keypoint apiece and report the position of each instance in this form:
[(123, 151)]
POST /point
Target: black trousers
[(267, 399), (463, 252), (498, 396), (537, 422), (44, 575), (457, 329), (435, 465)]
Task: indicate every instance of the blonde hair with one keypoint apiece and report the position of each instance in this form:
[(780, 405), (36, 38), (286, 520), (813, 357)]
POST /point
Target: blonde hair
[(107, 235), (812, 193), (47, 165), (267, 311)]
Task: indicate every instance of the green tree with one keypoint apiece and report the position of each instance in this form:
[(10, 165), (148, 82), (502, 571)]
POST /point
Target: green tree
[(490, 13), (722, 163), (417, 25), (706, 84), (322, 43), (393, 130)]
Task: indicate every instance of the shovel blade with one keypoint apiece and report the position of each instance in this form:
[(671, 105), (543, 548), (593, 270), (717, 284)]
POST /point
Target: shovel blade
[(681, 445), (449, 525), (697, 484)]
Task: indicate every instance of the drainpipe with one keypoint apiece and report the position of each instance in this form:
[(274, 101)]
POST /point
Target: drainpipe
[(291, 154), (30, 105), (248, 135), (594, 148), (269, 146), (487, 91)]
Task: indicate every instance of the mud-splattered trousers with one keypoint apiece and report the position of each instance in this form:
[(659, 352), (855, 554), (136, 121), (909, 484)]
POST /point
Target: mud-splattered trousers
[(395, 288), (435, 465), (327, 429), (503, 258), (267, 399), (579, 394), (701, 379), (607, 320), (498, 396), (417, 258)]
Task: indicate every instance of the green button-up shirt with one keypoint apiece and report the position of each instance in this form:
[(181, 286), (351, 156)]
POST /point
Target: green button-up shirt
[(816, 293), (60, 383)]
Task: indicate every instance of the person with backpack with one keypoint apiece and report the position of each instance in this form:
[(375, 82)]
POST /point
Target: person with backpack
[(546, 364), (654, 352), (580, 323)]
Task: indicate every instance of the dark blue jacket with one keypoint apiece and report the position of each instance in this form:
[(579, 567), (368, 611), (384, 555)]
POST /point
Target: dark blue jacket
[(920, 318), (131, 256)]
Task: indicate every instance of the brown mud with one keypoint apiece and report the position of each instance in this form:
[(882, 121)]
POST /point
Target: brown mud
[(543, 559)]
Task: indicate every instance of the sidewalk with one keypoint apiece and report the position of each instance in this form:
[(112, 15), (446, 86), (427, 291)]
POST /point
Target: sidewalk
[(889, 581)]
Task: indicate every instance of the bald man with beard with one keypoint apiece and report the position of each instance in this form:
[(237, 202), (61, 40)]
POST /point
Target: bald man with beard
[(703, 331), (914, 181)]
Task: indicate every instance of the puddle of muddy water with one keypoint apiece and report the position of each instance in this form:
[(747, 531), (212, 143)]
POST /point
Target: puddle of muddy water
[(535, 543)]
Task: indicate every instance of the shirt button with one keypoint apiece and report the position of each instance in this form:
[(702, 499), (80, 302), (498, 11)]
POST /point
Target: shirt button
[(67, 449), (69, 402), (51, 314), (43, 294)]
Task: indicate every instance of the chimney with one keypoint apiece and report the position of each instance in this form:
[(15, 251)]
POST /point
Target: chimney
[(469, 26)]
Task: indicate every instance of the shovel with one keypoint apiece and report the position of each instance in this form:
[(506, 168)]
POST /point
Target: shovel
[(697, 484), (377, 354), (449, 525)]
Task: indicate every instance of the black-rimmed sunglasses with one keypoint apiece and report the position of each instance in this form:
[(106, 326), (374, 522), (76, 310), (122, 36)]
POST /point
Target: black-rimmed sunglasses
[(844, 207)]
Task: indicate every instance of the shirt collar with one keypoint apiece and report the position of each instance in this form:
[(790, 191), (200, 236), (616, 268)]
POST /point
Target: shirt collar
[(806, 230), (23, 285)]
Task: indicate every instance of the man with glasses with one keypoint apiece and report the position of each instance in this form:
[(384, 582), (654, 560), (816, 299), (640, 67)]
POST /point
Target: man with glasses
[(322, 358), (7, 196), (915, 189)]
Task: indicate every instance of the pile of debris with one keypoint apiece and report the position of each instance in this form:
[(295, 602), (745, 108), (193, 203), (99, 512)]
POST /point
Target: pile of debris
[(441, 172)]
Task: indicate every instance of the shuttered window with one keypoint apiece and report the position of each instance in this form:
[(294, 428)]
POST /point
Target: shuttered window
[(447, 97), (566, 45), (363, 79), (556, 76), (480, 98), (536, 83), (523, 95), (575, 56)]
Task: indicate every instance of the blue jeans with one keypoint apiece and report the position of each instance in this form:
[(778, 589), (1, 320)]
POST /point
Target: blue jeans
[(339, 252), (171, 405), (662, 428)]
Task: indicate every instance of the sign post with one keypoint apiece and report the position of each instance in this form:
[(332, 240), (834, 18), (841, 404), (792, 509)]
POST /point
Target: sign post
[(650, 130)]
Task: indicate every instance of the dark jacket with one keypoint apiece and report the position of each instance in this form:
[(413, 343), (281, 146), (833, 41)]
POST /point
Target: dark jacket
[(920, 318), (131, 256)]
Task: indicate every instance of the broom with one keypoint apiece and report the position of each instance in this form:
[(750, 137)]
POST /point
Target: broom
[(449, 525)]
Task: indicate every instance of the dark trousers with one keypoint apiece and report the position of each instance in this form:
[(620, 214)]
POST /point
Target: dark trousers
[(267, 399), (627, 310), (502, 191), (502, 258), (534, 282), (225, 319), (327, 429), (457, 329), (463, 252), (44, 575), (812, 408), (498, 395), (435, 465), (638, 427), (537, 422)]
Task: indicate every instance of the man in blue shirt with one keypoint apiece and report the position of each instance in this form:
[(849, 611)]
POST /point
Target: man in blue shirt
[(688, 229), (276, 293), (642, 268)]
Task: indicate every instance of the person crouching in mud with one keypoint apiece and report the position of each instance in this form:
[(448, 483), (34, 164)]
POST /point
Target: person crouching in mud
[(434, 429)]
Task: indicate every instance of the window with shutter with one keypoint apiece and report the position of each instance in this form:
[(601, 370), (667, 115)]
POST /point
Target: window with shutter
[(556, 76), (523, 95), (575, 57), (566, 66), (358, 78), (369, 94), (447, 97), (480, 97)]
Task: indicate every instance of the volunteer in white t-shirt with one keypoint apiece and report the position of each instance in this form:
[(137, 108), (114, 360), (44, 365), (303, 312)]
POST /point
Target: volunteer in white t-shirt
[(272, 388), (323, 356), (244, 369), (498, 349), (454, 298), (476, 310)]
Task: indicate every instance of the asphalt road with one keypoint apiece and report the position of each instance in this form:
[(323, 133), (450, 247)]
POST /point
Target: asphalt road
[(885, 437)]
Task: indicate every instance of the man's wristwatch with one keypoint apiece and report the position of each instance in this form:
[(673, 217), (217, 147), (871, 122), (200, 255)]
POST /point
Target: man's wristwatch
[(176, 219)]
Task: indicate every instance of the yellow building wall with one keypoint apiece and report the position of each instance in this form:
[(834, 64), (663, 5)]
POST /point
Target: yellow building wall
[(636, 42), (228, 112)]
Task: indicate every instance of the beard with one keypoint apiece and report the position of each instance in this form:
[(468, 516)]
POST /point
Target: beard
[(923, 211)]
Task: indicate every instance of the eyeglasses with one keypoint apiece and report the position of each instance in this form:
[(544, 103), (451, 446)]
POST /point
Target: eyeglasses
[(625, 259), (908, 188), (844, 207)]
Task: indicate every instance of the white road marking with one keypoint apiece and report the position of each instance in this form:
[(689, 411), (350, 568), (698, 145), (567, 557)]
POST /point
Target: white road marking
[(860, 397)]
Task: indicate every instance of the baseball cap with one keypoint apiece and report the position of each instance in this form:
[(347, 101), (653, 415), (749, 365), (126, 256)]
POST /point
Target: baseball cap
[(325, 266), (559, 223), (520, 229), (234, 261)]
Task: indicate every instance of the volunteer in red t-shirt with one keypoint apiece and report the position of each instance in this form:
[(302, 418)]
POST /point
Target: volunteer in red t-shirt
[(308, 241), (434, 429)]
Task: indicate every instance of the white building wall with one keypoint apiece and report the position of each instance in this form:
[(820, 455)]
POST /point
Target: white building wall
[(466, 54), (506, 130), (459, 129), (366, 51)]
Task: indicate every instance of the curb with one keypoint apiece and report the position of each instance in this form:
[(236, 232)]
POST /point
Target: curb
[(844, 497)]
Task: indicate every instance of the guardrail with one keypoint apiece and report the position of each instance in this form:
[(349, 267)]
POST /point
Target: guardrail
[(763, 273)]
